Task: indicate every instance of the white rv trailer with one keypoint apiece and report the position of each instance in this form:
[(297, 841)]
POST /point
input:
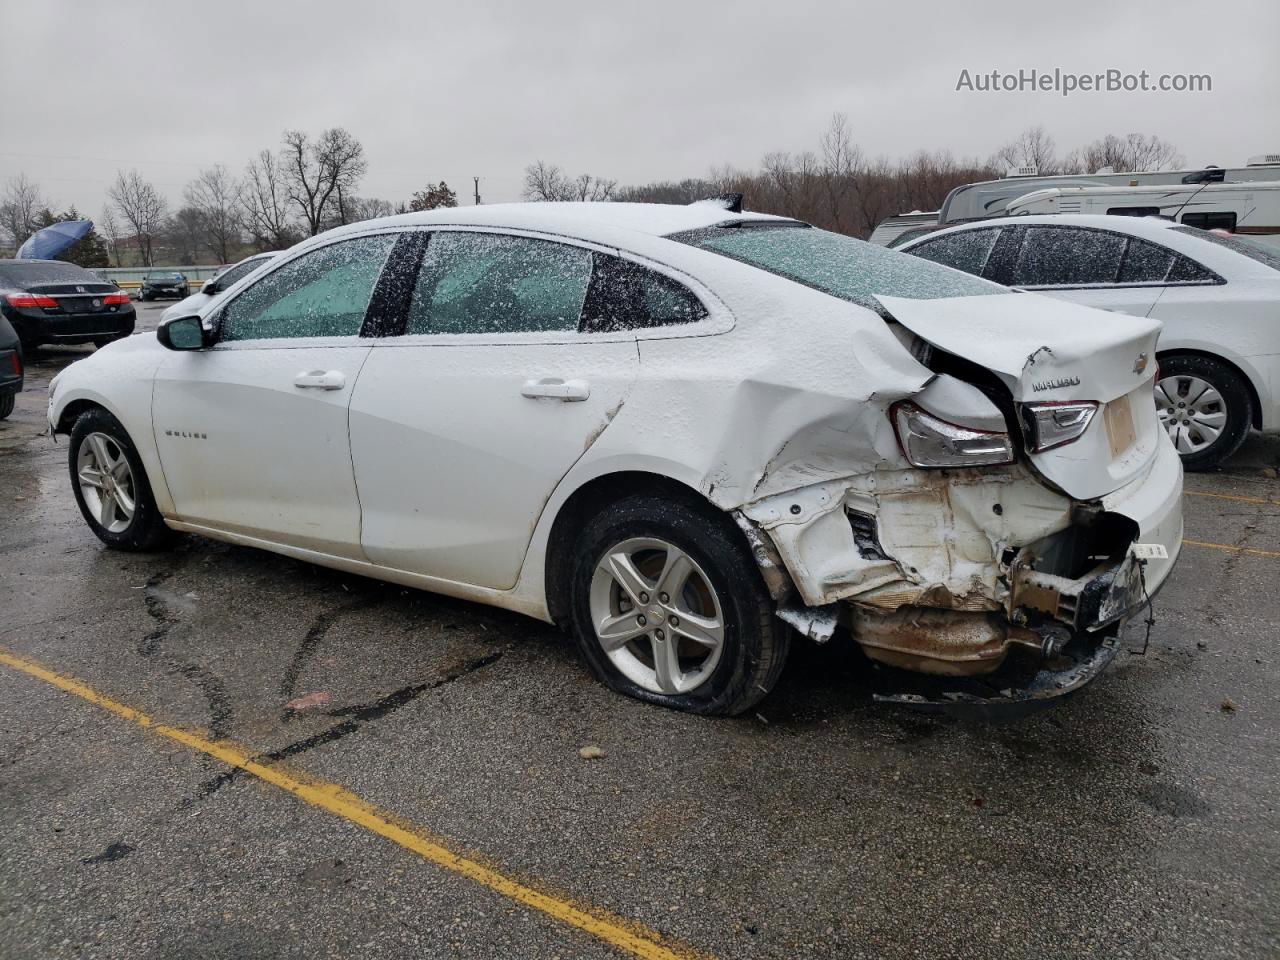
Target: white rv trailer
[(1249, 209), (980, 201)]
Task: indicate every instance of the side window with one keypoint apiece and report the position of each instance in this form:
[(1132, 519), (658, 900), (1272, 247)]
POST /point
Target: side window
[(1066, 256), (1133, 211), (1145, 262), (967, 250), (324, 293), (626, 296), (1186, 270), (1218, 220), (496, 283)]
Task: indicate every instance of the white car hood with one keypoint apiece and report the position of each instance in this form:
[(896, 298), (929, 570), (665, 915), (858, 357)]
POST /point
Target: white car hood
[(1042, 348), (185, 308)]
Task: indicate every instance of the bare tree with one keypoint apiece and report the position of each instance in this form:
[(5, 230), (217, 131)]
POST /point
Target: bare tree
[(318, 172), (184, 234), (111, 232), (215, 194), (546, 181), (1132, 153), (1033, 147), (264, 203), (141, 206), (20, 204)]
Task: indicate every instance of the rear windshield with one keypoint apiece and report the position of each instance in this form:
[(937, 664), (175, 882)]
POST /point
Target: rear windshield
[(850, 269), (1253, 251), (43, 271)]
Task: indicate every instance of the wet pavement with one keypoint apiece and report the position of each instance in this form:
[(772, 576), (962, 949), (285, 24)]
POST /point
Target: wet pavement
[(1138, 819)]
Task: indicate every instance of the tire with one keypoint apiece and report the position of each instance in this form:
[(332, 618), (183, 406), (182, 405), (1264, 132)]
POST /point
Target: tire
[(723, 586), (7, 400), (1185, 382), (144, 529)]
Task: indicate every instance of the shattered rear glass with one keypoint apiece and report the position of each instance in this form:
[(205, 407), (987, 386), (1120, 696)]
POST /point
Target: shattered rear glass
[(850, 269)]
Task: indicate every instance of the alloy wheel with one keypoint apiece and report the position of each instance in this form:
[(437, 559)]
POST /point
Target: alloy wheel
[(656, 615), (106, 482)]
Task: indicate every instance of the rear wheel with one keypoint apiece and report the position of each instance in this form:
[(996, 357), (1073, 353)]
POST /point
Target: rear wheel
[(668, 606), (111, 486), (6, 404), (1204, 406)]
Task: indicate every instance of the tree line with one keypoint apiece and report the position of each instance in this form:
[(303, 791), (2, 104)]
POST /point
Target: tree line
[(839, 186), (308, 185), (311, 183)]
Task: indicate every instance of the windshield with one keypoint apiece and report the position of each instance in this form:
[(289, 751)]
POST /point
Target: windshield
[(241, 269), (1251, 250), (850, 269)]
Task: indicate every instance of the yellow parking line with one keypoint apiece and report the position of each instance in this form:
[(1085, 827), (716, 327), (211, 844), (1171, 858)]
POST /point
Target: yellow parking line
[(1233, 548), (1233, 496), (615, 931)]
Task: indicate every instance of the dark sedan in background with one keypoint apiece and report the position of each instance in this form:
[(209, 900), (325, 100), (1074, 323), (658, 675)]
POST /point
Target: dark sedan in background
[(10, 367), (165, 283), (48, 301)]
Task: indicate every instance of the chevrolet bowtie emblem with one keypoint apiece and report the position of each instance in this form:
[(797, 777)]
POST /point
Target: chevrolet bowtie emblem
[(1140, 364)]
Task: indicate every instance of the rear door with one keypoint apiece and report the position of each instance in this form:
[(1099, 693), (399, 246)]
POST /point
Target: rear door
[(464, 422), (252, 432)]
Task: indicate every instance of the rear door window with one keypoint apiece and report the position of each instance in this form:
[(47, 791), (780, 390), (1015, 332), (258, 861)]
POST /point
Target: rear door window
[(968, 250), (1067, 257), (497, 283), (626, 296)]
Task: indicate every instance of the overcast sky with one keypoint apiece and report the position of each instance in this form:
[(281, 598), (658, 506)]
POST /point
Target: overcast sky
[(635, 92)]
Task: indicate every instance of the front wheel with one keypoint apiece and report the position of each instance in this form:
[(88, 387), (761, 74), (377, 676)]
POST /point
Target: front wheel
[(111, 486), (1204, 406), (668, 606)]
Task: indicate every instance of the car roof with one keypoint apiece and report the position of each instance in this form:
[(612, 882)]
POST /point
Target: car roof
[(589, 220), (1138, 226)]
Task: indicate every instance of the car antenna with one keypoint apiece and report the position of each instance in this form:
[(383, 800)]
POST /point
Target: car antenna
[(729, 201)]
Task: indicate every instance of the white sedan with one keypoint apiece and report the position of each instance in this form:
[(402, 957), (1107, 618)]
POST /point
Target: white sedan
[(1217, 295), (224, 281), (677, 431)]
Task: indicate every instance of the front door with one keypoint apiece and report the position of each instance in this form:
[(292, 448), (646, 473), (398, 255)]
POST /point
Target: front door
[(252, 432), (462, 426)]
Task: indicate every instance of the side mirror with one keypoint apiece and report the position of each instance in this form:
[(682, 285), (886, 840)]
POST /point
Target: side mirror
[(210, 287), (183, 333)]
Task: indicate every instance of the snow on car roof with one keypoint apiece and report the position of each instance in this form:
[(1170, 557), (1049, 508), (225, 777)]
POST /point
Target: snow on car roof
[(654, 219)]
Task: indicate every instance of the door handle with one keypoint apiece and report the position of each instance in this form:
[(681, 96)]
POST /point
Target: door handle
[(321, 380), (556, 389)]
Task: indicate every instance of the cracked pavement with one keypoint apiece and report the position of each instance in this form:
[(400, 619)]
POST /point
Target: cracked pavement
[(1138, 819)]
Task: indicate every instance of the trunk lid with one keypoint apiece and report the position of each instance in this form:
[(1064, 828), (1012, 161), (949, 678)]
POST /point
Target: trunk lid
[(1045, 350)]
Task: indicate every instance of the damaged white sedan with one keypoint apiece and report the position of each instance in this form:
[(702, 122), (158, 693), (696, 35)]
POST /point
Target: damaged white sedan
[(678, 431)]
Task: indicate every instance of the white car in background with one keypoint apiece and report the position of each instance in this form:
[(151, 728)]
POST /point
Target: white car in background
[(669, 429), (212, 287), (1217, 296)]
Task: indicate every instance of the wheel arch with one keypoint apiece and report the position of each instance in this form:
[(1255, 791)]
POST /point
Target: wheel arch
[(593, 495), (1254, 398)]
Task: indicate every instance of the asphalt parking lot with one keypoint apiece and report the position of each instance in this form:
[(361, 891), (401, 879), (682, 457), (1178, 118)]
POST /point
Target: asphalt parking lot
[(419, 789)]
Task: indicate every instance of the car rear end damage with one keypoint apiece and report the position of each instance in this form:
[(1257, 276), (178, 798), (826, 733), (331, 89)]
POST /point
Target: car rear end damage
[(1015, 575)]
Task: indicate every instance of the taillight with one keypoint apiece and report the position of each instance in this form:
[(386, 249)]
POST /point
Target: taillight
[(1052, 424), (929, 441), (16, 362), (116, 298), (29, 300)]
